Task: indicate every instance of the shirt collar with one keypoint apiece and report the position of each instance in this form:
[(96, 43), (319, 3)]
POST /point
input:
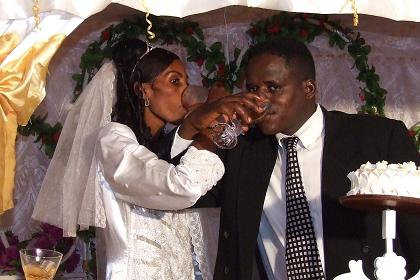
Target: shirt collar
[(310, 131)]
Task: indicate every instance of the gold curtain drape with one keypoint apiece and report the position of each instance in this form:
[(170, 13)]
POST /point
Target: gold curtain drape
[(22, 88)]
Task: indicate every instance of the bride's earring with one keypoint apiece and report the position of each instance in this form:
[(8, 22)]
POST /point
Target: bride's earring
[(145, 98)]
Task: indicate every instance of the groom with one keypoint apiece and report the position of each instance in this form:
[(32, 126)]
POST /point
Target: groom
[(330, 144)]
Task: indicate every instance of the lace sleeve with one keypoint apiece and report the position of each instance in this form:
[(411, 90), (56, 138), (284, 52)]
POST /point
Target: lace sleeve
[(138, 176)]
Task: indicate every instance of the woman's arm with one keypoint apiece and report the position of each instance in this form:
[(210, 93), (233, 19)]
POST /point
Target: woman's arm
[(137, 176)]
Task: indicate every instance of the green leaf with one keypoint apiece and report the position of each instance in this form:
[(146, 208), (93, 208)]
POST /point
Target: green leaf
[(361, 77), (58, 126), (365, 50), (49, 150), (360, 63), (77, 77), (15, 263), (210, 65), (107, 53), (236, 53), (217, 46)]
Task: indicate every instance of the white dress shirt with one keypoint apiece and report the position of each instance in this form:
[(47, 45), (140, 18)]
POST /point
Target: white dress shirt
[(179, 144), (272, 234)]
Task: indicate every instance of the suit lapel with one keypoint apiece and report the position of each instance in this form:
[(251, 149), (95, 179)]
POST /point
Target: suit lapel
[(257, 163)]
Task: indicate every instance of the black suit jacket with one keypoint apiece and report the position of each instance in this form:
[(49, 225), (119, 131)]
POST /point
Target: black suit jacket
[(350, 140)]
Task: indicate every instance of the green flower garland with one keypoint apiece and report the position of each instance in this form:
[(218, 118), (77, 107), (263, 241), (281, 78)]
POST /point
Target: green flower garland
[(228, 73), (215, 68)]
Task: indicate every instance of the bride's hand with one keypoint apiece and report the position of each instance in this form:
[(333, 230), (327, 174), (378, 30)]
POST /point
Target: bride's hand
[(208, 114)]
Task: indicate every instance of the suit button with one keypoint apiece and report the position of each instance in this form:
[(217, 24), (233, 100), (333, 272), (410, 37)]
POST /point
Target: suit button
[(226, 270), (226, 234), (365, 249)]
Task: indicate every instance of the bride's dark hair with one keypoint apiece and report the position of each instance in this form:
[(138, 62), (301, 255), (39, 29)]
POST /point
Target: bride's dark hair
[(131, 71)]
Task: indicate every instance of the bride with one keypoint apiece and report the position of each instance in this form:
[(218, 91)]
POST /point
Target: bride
[(107, 172)]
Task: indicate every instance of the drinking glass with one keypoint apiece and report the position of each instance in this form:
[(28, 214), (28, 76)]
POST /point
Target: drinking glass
[(194, 95), (225, 133), (40, 264)]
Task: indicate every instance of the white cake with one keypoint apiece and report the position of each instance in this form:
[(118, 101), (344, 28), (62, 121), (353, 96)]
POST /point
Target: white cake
[(386, 179)]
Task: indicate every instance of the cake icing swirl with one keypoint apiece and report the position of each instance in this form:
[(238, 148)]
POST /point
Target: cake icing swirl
[(386, 179)]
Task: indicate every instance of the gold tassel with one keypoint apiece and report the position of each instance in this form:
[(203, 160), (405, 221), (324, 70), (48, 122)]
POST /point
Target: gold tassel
[(355, 14), (35, 12)]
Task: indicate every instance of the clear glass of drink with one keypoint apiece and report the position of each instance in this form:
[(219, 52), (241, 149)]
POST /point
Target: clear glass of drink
[(194, 95), (225, 134), (40, 264)]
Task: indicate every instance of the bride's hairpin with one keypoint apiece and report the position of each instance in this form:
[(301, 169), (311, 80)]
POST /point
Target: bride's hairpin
[(149, 48)]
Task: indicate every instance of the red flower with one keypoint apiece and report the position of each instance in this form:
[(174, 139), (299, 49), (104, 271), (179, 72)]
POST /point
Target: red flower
[(303, 33), (254, 30), (189, 30), (412, 133), (274, 29), (362, 97), (199, 61), (221, 69), (105, 35), (56, 136)]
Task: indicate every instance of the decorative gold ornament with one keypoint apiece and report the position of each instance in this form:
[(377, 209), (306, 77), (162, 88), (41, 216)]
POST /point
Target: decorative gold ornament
[(35, 12), (151, 35), (355, 14)]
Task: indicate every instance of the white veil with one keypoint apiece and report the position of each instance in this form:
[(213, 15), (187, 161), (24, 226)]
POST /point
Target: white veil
[(70, 194)]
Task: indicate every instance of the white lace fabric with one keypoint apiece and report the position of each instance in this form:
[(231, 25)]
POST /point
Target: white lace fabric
[(159, 245), (201, 251), (145, 243), (205, 168)]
